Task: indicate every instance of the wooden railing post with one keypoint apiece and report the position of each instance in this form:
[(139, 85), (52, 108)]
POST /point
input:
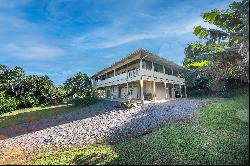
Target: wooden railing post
[(142, 93), (185, 91), (154, 96)]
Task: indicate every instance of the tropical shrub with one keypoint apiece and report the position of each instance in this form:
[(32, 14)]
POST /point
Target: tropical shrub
[(7, 103), (31, 90), (34, 90), (85, 101), (79, 90), (55, 95), (28, 100), (78, 86), (222, 52)]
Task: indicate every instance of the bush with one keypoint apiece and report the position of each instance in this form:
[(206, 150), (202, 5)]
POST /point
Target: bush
[(28, 100), (7, 103), (55, 95), (85, 101)]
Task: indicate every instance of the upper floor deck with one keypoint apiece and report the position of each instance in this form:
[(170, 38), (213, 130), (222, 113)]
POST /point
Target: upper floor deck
[(137, 69)]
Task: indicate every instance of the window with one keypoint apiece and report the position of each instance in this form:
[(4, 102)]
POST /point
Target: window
[(110, 74), (175, 72), (158, 68), (168, 70), (134, 62), (103, 77), (147, 65)]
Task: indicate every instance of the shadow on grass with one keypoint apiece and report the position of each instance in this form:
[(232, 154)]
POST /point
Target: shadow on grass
[(91, 159), (28, 122)]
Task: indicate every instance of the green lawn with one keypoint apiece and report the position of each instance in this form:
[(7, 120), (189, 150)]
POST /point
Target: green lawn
[(35, 113), (217, 135)]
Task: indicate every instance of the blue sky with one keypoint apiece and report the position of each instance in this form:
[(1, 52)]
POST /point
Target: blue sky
[(61, 38)]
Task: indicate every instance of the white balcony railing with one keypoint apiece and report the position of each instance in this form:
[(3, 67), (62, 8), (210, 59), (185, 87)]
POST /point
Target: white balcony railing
[(161, 77), (135, 75)]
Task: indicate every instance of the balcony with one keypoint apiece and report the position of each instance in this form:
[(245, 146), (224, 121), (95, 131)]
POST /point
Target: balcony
[(135, 75), (161, 77)]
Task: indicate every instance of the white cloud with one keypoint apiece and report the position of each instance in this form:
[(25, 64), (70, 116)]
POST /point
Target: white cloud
[(23, 39), (12, 3), (116, 35), (189, 28), (34, 51), (112, 41), (128, 39)]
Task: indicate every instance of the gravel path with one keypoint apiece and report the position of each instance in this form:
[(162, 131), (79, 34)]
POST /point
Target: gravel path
[(100, 123)]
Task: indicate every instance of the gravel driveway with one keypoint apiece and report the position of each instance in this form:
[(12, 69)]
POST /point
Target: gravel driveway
[(100, 123)]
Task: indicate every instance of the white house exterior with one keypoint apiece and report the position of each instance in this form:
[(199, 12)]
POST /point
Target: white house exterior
[(142, 76)]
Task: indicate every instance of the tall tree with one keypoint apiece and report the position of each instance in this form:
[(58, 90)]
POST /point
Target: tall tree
[(223, 51), (12, 80), (78, 86)]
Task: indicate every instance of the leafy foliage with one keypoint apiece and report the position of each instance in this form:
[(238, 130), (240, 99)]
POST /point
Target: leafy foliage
[(85, 101), (28, 100), (7, 103), (34, 90), (31, 90), (78, 85), (11, 80), (223, 52), (79, 90)]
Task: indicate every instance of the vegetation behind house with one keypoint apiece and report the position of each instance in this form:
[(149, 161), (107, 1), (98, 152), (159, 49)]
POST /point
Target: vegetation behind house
[(18, 90), (219, 62)]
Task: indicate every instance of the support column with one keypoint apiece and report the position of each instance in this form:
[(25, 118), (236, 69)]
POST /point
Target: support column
[(127, 89), (119, 92), (140, 70), (142, 94), (180, 92), (127, 70), (140, 64), (165, 88), (185, 91), (154, 96), (106, 93), (173, 92)]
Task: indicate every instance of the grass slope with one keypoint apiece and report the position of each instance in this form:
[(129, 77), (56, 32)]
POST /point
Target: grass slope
[(217, 135), (35, 113)]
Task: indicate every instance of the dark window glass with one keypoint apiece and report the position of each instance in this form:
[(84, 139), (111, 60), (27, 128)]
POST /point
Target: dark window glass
[(110, 74), (147, 65), (158, 68), (103, 77), (175, 72), (168, 70)]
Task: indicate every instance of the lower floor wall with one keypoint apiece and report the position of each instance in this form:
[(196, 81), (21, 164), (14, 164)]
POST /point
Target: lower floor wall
[(121, 91), (162, 90)]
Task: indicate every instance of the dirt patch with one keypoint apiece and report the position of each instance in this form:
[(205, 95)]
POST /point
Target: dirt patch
[(2, 137), (13, 156)]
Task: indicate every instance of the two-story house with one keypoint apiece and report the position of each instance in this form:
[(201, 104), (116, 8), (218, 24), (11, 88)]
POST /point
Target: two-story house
[(142, 76)]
